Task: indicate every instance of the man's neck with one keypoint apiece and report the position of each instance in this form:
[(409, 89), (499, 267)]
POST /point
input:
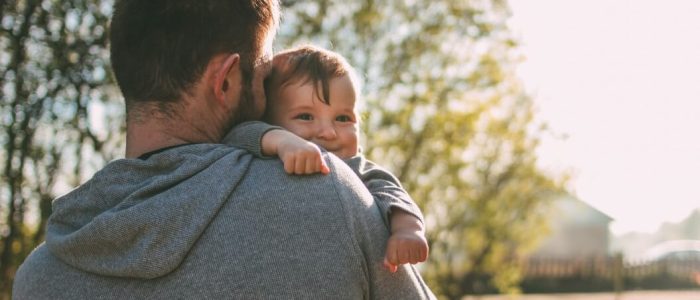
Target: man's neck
[(142, 138), (193, 119), (155, 134)]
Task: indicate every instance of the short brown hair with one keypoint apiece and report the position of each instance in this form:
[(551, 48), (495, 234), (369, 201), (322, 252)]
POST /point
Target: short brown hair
[(160, 48), (306, 64)]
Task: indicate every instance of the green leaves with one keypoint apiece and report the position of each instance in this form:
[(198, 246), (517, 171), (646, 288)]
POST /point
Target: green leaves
[(444, 111)]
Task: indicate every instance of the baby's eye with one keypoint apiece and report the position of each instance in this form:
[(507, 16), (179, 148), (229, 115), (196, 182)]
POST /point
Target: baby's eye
[(304, 116), (343, 118)]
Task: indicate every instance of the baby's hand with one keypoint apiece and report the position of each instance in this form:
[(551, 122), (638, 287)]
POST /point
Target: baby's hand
[(298, 155), (407, 243), (405, 248)]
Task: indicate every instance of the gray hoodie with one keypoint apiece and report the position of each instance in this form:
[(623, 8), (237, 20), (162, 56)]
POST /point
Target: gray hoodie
[(211, 221)]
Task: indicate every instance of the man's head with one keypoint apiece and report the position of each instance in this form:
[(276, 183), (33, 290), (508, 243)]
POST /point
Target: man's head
[(162, 49)]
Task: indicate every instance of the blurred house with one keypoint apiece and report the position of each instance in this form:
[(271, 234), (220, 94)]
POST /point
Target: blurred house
[(577, 231)]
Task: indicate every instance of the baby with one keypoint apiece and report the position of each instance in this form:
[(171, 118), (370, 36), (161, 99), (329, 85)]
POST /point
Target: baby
[(312, 96)]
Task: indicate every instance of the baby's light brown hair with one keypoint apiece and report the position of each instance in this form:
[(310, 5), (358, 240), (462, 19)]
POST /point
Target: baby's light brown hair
[(309, 64)]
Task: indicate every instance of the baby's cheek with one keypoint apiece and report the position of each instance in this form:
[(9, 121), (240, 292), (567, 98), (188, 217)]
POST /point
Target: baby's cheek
[(355, 144), (301, 131)]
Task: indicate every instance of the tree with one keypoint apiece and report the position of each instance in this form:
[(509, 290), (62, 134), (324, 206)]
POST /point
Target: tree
[(54, 72), (446, 113)]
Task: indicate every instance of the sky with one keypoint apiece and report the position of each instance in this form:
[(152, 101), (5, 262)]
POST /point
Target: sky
[(618, 82)]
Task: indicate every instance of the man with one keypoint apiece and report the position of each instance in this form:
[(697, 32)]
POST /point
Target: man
[(183, 217)]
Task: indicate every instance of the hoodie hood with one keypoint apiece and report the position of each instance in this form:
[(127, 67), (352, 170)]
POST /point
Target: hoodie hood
[(139, 218)]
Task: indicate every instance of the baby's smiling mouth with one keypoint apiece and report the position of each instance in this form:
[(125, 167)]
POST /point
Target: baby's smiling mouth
[(335, 150), (329, 148)]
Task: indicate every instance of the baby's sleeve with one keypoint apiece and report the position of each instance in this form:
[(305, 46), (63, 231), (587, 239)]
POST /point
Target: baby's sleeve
[(365, 226), (248, 136), (384, 187)]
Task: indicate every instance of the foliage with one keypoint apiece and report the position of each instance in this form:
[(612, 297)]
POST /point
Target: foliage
[(444, 111), (53, 65)]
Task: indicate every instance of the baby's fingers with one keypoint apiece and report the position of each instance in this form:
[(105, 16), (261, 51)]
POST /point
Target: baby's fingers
[(417, 252), (315, 164), (300, 165), (320, 165), (289, 164), (391, 256), (424, 252), (404, 256), (412, 256), (389, 266), (417, 256), (420, 256), (324, 167), (310, 166)]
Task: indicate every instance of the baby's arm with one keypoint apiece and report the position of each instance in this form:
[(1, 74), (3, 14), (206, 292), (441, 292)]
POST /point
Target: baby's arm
[(299, 155), (407, 243), (263, 140)]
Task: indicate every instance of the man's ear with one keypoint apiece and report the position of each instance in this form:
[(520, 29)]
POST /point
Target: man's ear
[(222, 78)]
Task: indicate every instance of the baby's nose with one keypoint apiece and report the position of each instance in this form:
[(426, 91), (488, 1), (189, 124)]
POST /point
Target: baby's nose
[(326, 132)]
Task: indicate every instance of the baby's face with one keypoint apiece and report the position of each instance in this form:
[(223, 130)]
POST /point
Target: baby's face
[(333, 127)]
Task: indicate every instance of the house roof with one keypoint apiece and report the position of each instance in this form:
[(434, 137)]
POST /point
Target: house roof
[(572, 209)]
